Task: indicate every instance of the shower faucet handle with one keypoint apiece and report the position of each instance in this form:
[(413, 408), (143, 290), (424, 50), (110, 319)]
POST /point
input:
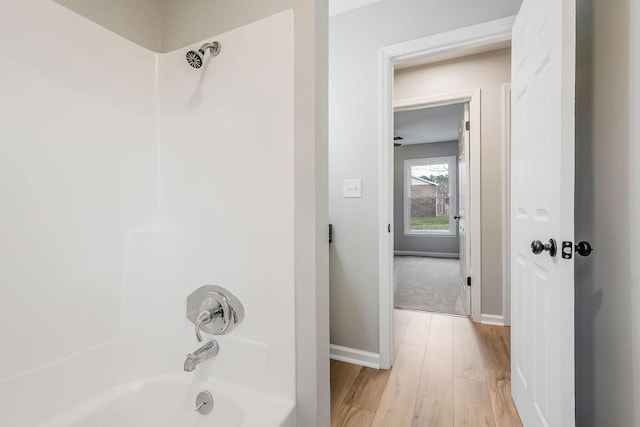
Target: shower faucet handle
[(204, 318), (214, 310)]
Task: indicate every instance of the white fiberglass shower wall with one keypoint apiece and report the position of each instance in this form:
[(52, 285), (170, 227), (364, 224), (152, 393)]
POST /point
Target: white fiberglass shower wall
[(226, 174), (127, 180)]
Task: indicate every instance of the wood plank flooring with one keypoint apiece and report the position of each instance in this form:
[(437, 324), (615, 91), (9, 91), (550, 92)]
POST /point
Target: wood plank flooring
[(448, 371)]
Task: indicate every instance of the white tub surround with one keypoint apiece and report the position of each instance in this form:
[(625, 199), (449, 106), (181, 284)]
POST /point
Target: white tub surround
[(137, 404), (226, 177), (128, 180)]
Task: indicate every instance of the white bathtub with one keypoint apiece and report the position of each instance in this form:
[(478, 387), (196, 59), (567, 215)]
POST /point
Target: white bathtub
[(169, 401)]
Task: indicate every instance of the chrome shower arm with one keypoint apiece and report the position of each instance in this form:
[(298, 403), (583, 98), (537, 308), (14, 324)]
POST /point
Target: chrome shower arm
[(213, 47)]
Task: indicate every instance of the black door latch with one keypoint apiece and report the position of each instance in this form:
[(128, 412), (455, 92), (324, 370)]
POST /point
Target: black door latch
[(583, 248)]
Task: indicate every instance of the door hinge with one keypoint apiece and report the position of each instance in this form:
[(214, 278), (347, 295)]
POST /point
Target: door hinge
[(389, 228), (330, 233), (469, 281), (467, 125)]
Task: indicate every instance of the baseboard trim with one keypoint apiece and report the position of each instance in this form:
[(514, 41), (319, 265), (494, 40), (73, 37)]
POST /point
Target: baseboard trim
[(427, 254), (492, 319), (357, 357)]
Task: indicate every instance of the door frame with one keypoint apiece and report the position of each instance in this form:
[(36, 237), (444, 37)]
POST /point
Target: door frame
[(472, 97), (506, 204), (456, 41), (634, 168)]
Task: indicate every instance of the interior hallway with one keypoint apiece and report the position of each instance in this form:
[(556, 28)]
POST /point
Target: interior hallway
[(448, 372)]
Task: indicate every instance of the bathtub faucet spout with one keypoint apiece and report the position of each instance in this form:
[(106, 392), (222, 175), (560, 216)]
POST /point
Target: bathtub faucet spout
[(207, 351)]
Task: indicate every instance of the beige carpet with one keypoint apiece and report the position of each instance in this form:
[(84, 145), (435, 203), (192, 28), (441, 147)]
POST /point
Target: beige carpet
[(427, 284)]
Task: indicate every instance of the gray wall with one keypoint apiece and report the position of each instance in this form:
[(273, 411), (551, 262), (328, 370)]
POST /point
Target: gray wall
[(606, 298), (166, 25), (138, 21), (634, 205), (187, 21), (443, 244), (355, 39)]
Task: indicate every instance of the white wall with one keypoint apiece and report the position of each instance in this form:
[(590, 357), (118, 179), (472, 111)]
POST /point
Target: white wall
[(355, 38), (606, 292), (77, 155), (487, 71)]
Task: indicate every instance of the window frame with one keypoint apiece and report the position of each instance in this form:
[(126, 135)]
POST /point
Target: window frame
[(453, 195)]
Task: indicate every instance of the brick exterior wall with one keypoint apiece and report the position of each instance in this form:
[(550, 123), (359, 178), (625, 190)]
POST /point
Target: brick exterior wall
[(423, 207)]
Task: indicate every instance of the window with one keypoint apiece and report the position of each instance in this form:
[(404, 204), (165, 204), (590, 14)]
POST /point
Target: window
[(430, 196)]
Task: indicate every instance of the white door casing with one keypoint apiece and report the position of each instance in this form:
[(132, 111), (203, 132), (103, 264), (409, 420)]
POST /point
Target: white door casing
[(463, 210), (459, 41), (542, 205)]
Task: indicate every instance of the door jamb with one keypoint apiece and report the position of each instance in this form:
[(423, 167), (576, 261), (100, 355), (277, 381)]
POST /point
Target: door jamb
[(634, 167), (506, 205), (471, 96), (452, 41)]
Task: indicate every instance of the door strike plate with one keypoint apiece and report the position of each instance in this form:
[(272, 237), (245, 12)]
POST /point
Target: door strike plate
[(567, 250)]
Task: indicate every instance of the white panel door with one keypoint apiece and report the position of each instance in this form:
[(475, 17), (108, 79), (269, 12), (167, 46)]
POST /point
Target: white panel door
[(463, 210), (542, 194)]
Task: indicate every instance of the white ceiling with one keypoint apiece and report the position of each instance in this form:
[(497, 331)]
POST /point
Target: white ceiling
[(426, 125)]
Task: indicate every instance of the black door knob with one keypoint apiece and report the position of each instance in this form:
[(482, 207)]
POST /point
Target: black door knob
[(457, 217), (584, 248), (537, 247)]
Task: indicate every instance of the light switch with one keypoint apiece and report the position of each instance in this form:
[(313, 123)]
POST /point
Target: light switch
[(352, 188)]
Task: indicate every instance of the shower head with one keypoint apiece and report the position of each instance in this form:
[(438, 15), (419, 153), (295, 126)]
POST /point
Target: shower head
[(195, 58)]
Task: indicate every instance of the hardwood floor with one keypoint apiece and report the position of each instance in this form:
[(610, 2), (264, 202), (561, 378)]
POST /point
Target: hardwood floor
[(448, 371)]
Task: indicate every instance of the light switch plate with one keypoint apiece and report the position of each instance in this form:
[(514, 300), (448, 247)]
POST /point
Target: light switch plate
[(352, 188)]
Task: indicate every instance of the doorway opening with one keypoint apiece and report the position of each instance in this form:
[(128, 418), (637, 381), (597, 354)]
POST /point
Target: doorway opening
[(394, 60), (429, 267)]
